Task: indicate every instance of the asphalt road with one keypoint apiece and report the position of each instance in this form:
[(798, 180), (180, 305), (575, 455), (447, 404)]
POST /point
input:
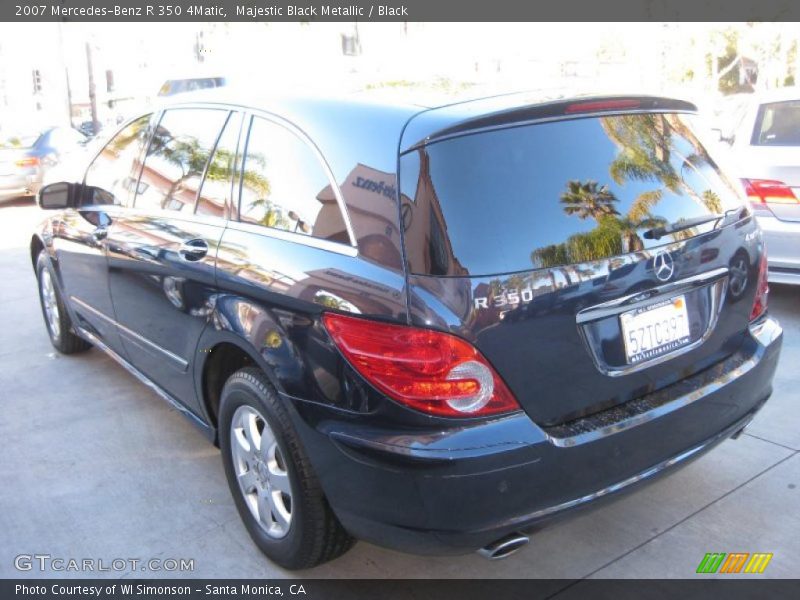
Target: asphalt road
[(94, 465)]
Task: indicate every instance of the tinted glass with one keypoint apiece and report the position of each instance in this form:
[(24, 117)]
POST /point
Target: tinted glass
[(176, 158), (111, 177), (217, 185), (285, 187), (557, 193), (778, 124)]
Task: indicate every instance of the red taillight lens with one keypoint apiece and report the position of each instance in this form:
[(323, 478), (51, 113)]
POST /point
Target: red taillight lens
[(434, 372), (762, 288), (768, 191), (28, 161)]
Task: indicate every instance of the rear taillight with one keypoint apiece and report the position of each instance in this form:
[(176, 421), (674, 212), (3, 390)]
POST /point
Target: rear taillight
[(768, 191), (28, 161), (762, 288), (430, 371)]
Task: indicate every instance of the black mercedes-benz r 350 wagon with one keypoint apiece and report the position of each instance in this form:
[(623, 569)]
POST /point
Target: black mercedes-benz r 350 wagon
[(432, 328)]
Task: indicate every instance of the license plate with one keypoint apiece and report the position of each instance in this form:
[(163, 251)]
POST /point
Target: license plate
[(655, 330)]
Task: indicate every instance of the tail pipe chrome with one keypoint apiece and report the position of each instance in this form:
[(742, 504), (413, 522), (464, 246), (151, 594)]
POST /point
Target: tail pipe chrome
[(505, 546)]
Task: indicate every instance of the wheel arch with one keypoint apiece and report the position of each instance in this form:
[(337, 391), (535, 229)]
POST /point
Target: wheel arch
[(36, 247), (220, 354)]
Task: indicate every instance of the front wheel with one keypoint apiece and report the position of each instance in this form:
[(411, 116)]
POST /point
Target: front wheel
[(56, 318), (276, 492)]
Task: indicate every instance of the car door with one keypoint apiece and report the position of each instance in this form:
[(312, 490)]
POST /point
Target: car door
[(162, 251), (80, 238)]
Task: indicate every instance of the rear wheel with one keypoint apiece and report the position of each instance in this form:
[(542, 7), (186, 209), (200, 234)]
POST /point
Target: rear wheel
[(56, 318), (275, 489)]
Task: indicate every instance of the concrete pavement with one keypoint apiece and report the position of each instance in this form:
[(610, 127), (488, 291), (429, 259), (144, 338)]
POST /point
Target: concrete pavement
[(95, 465)]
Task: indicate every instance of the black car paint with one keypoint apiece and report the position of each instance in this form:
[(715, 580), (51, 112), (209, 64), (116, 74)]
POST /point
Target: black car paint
[(394, 476)]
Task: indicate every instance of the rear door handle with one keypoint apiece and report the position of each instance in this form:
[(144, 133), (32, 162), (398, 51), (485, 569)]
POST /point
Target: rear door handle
[(193, 250)]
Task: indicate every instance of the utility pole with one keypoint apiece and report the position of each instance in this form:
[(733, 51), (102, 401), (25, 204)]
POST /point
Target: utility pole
[(92, 91), (66, 74)]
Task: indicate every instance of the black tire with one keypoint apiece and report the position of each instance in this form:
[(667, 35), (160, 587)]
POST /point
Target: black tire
[(314, 535), (62, 336)]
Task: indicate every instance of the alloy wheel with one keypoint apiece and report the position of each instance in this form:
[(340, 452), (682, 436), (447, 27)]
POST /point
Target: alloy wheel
[(261, 471), (50, 303)]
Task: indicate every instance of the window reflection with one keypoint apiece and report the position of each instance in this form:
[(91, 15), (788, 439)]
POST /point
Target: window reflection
[(285, 187), (216, 189), (177, 157), (557, 194), (108, 178)]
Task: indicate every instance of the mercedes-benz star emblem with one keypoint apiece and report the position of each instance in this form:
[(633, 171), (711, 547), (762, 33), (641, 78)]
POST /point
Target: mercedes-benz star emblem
[(663, 266)]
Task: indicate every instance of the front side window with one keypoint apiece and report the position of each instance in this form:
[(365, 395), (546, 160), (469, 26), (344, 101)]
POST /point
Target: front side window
[(285, 187), (111, 177), (177, 157)]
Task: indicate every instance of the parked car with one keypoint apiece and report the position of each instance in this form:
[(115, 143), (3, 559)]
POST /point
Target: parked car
[(26, 157), (190, 84), (322, 286), (764, 137)]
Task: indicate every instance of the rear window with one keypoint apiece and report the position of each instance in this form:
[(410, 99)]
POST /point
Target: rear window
[(556, 193), (778, 124)]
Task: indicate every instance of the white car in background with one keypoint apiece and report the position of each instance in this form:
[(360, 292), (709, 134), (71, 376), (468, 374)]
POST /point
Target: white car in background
[(763, 132)]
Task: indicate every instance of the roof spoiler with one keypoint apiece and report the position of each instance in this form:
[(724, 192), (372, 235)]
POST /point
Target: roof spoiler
[(566, 108)]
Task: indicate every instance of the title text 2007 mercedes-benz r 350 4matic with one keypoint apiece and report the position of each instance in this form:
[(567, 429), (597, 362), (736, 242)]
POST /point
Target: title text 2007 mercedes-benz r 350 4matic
[(432, 328)]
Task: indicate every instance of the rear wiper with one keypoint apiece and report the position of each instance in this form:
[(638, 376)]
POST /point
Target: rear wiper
[(658, 232)]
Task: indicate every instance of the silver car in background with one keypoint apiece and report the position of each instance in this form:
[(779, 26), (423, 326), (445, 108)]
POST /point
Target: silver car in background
[(26, 157), (764, 138)]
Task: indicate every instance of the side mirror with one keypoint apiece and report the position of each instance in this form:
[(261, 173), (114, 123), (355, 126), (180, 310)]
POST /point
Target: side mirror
[(722, 136), (56, 196)]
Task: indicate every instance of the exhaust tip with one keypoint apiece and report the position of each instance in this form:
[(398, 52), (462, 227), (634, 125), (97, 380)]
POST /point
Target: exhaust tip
[(504, 547)]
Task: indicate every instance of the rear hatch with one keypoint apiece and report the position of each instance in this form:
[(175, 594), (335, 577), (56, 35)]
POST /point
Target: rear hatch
[(580, 253)]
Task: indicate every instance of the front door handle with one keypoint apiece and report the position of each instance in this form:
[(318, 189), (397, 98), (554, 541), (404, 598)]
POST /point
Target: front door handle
[(193, 250)]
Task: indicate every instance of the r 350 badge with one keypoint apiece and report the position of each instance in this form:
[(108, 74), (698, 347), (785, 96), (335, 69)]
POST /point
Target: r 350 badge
[(504, 299)]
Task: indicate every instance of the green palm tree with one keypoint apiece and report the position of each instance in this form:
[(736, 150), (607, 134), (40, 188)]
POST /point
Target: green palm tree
[(588, 199)]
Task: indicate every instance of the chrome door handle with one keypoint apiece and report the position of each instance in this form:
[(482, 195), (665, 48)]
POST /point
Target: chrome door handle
[(193, 250)]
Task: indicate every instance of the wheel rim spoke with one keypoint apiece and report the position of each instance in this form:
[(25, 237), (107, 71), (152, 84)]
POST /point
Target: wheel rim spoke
[(281, 515), (247, 481), (264, 507)]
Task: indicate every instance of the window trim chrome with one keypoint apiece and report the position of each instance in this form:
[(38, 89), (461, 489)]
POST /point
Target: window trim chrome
[(297, 238)]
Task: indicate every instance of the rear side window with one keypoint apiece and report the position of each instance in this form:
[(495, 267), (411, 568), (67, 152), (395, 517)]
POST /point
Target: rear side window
[(111, 177), (284, 185), (177, 157), (778, 124), (552, 194)]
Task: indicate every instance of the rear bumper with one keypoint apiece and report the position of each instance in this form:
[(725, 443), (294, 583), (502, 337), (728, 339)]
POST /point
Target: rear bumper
[(454, 491), (783, 249), (19, 185)]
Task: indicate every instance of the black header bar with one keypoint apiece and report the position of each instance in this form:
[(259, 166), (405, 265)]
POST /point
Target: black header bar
[(401, 10)]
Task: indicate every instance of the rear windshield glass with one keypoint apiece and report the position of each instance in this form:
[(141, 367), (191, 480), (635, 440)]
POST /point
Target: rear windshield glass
[(778, 124), (556, 193)]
